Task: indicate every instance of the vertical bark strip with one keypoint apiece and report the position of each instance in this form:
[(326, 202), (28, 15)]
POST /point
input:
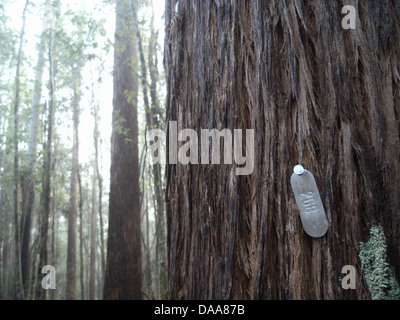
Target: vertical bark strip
[(123, 271), (314, 93)]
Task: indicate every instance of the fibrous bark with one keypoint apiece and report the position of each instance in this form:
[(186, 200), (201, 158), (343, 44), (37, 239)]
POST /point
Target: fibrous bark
[(315, 94)]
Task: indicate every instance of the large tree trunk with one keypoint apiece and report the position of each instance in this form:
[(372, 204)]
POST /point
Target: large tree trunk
[(123, 271), (18, 279), (315, 94)]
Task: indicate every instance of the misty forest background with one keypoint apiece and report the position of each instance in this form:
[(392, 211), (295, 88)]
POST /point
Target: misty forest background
[(55, 128), (82, 83)]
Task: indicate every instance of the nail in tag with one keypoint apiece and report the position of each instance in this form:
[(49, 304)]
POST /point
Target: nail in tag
[(308, 199)]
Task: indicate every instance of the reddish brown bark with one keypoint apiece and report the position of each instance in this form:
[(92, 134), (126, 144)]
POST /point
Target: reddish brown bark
[(314, 94)]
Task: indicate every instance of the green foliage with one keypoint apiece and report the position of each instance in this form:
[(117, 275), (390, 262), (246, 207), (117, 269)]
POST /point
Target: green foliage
[(119, 126), (378, 273)]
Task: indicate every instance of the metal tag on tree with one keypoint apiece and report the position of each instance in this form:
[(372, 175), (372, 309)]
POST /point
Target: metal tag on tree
[(308, 199)]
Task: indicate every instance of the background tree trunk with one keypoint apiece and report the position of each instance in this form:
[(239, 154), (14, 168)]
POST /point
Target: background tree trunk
[(93, 236), (123, 279), (27, 180), (96, 135), (81, 254), (153, 121), (19, 282), (53, 246), (46, 194), (74, 195), (315, 94), (157, 121)]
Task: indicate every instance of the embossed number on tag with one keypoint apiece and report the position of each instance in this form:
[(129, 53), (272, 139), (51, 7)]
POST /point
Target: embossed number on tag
[(308, 199)]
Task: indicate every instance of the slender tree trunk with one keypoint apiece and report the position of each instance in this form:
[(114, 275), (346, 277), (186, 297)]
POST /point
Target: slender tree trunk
[(100, 186), (5, 215), (19, 282), (2, 220), (74, 195), (81, 254), (102, 242), (149, 280), (93, 236), (53, 293), (33, 265), (156, 111), (146, 242), (4, 246), (46, 195), (315, 94), (156, 115), (123, 278), (27, 181), (76, 190), (153, 121), (2, 224), (6, 267), (102, 246)]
